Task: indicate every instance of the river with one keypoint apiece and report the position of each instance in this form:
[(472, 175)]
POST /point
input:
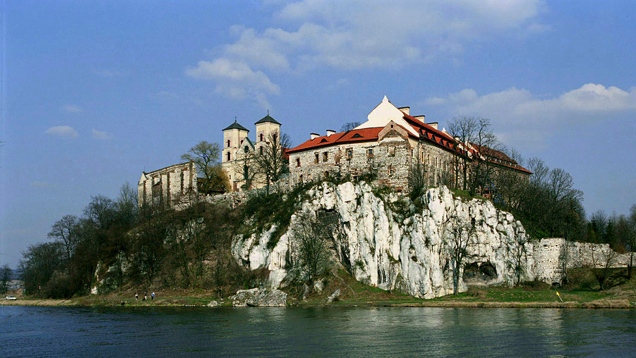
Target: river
[(332, 331)]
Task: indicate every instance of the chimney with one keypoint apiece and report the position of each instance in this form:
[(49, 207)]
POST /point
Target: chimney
[(433, 124), (313, 136), (420, 118), (406, 110), (330, 132)]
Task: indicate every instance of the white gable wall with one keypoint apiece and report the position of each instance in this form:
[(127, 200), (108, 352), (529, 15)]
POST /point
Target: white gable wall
[(383, 114)]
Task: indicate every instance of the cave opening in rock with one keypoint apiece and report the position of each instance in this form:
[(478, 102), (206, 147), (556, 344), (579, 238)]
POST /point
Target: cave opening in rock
[(479, 273)]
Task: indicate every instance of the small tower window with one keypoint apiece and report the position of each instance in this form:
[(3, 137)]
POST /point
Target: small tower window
[(247, 149), (260, 150), (262, 137), (228, 143), (228, 156)]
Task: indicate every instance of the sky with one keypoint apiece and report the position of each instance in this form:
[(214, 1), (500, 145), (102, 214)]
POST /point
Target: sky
[(95, 92)]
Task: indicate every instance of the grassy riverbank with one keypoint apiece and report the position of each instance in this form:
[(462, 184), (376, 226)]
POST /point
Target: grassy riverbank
[(581, 293)]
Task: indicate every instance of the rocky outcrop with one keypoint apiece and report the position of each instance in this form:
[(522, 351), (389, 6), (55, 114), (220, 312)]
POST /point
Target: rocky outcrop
[(259, 298), (387, 241)]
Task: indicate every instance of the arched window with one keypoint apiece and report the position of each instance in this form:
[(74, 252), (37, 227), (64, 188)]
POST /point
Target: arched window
[(262, 137)]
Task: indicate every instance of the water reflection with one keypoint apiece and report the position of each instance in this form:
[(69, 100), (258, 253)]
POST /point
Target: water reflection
[(350, 332)]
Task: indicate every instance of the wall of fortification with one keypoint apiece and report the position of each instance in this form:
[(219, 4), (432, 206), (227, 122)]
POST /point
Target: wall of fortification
[(165, 187), (552, 257)]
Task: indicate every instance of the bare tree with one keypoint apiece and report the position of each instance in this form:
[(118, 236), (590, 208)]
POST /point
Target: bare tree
[(349, 126), (272, 162), (206, 157), (463, 129), (65, 231), (602, 262), (456, 241), (313, 234), (5, 277), (418, 177)]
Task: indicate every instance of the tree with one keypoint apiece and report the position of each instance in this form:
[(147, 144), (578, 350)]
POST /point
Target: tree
[(39, 263), (463, 130), (272, 162), (65, 231), (5, 277), (349, 126), (206, 158), (602, 261), (456, 241), (312, 235)]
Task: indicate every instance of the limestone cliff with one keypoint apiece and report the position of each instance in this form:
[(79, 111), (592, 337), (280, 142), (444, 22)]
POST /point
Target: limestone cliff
[(391, 243)]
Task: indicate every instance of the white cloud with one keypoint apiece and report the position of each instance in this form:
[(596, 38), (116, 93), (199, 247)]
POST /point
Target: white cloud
[(63, 132), (364, 34), (523, 118), (235, 79), (72, 108), (101, 135)]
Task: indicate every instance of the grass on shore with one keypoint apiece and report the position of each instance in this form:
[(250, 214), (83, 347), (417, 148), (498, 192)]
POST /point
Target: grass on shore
[(582, 292)]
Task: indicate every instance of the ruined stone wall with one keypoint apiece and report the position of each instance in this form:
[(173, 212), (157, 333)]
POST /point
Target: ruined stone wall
[(552, 257), (165, 187)]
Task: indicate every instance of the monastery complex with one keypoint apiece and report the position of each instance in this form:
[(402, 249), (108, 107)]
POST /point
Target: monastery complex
[(387, 148)]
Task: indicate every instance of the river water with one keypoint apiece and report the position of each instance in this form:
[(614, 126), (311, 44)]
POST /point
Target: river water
[(332, 331)]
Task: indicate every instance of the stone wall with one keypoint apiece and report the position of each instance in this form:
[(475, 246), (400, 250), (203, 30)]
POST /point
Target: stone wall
[(166, 187), (553, 257)]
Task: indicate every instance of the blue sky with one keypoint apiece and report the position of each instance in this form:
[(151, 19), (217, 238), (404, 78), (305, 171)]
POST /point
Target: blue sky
[(95, 92)]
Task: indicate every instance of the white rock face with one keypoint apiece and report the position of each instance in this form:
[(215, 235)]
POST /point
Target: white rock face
[(390, 244)]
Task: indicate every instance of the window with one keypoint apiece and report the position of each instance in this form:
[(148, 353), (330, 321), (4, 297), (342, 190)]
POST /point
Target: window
[(261, 136), (228, 143), (325, 156), (317, 158), (349, 153), (392, 150), (228, 156), (275, 136), (298, 162), (391, 170), (247, 149), (260, 150), (370, 152)]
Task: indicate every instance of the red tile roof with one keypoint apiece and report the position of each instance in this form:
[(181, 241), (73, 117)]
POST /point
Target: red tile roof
[(366, 134)]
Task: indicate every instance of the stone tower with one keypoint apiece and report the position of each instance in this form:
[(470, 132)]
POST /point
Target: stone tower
[(266, 128), (233, 136)]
